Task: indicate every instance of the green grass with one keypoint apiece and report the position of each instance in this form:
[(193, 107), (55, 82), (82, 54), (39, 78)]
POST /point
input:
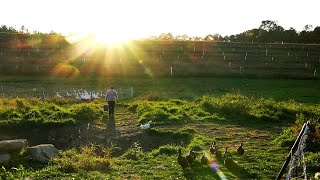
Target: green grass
[(304, 91), (186, 113), (25, 113)]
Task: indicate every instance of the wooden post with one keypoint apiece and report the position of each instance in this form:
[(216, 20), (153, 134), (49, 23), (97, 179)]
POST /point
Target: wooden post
[(2, 91), (266, 52), (171, 70)]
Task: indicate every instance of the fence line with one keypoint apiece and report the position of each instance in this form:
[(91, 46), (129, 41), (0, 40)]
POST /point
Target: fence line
[(296, 150)]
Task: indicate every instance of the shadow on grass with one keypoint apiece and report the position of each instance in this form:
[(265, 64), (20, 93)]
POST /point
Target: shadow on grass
[(199, 171), (111, 126)]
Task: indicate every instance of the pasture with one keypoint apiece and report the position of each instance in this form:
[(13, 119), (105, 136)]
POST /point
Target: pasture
[(186, 112), (53, 55), (195, 93)]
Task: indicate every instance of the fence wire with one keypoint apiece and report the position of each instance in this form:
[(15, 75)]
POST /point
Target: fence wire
[(297, 167)]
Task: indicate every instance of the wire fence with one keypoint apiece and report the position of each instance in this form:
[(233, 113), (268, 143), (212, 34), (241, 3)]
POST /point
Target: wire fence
[(11, 91), (295, 159)]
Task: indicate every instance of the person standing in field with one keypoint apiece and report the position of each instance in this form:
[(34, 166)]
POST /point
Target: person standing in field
[(111, 97)]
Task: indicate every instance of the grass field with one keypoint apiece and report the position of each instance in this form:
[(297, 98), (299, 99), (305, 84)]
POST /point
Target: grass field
[(264, 114), (166, 88), (163, 58)]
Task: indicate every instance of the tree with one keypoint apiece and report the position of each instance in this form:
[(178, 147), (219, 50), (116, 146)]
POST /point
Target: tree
[(183, 37), (214, 37), (308, 27), (290, 35), (166, 36), (315, 35), (269, 25)]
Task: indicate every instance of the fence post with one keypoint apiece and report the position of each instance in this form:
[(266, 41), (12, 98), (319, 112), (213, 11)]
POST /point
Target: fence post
[(294, 147)]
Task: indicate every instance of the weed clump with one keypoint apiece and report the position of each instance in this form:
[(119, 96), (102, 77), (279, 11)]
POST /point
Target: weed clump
[(135, 152), (85, 159), (167, 149)]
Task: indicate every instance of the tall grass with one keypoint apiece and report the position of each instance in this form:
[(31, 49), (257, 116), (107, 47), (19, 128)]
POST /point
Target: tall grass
[(229, 106), (22, 113)]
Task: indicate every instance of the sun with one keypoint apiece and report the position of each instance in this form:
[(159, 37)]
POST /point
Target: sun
[(109, 38)]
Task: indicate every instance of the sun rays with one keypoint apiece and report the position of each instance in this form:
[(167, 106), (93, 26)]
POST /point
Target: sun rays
[(87, 55)]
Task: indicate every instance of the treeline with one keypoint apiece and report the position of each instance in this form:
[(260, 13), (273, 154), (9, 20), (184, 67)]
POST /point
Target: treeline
[(13, 38), (268, 32)]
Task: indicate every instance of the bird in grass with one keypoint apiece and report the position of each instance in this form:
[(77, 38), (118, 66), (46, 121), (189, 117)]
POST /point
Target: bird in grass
[(213, 148), (218, 153), (191, 156), (145, 126), (183, 162), (58, 95), (228, 161), (204, 159), (240, 150), (226, 153)]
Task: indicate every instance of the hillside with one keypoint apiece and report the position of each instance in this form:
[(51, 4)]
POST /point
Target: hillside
[(52, 54)]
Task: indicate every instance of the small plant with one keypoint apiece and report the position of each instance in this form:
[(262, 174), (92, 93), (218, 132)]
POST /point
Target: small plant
[(168, 149), (135, 152), (86, 159)]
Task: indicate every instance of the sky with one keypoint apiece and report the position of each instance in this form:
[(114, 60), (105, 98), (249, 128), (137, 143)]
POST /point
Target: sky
[(127, 19)]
